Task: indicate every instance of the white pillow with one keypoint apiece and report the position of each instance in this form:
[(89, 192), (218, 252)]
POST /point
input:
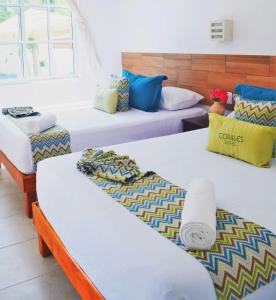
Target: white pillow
[(174, 98), (231, 115), (230, 98)]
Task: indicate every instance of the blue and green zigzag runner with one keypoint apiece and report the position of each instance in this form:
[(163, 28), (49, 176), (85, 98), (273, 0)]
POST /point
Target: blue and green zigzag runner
[(243, 257), (49, 143)]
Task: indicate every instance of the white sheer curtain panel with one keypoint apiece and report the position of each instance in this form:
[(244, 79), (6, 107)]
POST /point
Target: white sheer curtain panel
[(86, 41)]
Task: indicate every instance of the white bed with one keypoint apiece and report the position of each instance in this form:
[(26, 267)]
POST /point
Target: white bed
[(131, 260), (91, 127)]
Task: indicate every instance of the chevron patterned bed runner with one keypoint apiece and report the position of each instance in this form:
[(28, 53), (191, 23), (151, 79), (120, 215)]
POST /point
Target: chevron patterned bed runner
[(243, 257), (49, 143)]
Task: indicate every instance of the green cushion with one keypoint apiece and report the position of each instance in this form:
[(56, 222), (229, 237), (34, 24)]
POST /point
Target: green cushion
[(106, 100), (245, 141)]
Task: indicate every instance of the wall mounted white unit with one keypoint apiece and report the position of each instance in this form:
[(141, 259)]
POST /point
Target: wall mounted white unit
[(221, 30)]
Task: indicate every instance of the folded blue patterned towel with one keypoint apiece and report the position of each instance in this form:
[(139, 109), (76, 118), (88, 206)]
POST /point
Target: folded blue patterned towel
[(20, 111)]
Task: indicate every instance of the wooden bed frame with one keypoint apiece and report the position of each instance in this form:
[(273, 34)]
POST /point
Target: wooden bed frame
[(26, 183), (50, 243)]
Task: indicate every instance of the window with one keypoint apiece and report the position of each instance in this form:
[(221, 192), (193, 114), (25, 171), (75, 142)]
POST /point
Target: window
[(37, 40)]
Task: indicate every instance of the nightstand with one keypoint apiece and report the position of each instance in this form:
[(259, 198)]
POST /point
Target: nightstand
[(195, 123)]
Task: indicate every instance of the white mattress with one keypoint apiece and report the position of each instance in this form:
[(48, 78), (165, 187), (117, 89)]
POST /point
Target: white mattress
[(125, 258), (91, 127)]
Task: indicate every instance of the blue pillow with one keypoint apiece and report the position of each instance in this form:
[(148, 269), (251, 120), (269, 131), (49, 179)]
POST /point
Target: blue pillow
[(145, 91), (131, 76), (251, 92)]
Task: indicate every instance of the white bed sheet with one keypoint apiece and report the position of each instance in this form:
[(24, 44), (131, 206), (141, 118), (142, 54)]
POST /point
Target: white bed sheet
[(91, 127), (125, 258)]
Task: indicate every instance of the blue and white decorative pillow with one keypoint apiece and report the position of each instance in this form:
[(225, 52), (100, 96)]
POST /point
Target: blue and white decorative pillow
[(256, 111), (122, 86)]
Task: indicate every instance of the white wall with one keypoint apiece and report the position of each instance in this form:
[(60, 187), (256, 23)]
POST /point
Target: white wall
[(103, 21), (182, 26), (153, 26)]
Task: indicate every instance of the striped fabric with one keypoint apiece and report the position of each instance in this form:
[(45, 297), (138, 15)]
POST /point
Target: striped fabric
[(49, 143), (122, 86), (257, 112), (243, 257)]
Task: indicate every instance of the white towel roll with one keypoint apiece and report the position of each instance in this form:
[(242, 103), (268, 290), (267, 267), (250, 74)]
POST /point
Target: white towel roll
[(198, 225), (38, 124)]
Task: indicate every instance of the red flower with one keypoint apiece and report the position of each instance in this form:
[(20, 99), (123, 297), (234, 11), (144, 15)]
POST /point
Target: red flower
[(219, 95)]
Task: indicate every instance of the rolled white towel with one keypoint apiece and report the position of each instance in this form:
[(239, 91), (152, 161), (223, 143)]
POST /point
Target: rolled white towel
[(198, 225), (41, 123)]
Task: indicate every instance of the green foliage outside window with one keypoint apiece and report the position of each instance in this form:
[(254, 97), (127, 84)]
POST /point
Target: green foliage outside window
[(6, 13)]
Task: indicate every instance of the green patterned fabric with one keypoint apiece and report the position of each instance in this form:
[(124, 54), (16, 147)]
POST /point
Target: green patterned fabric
[(49, 143), (122, 86), (257, 112), (243, 258), (109, 165)]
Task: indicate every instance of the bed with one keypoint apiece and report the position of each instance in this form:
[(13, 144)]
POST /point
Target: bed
[(87, 127), (89, 233)]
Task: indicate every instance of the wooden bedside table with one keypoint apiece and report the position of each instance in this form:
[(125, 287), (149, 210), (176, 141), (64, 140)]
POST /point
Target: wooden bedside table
[(195, 123)]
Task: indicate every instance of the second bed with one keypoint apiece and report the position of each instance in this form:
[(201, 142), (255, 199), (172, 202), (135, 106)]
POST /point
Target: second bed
[(87, 127), (122, 256)]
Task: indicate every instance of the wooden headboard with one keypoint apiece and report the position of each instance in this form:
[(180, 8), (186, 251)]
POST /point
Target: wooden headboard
[(203, 72)]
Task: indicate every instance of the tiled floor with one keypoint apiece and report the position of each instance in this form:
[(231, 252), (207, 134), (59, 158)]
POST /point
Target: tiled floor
[(24, 274)]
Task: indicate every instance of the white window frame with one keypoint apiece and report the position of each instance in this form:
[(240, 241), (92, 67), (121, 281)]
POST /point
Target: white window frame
[(24, 78)]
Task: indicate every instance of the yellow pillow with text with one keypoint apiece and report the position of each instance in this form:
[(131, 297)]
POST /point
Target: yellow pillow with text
[(242, 140)]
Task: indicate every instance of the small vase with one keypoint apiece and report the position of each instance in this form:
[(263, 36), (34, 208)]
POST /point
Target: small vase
[(217, 108)]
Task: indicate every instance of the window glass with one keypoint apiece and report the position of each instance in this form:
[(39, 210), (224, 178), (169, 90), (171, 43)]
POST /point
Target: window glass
[(10, 62), (63, 59), (36, 24), (37, 60), (9, 24), (60, 23), (35, 2), (9, 2), (36, 40)]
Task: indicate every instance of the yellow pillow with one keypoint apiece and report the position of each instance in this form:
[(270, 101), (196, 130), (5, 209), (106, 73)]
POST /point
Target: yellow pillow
[(106, 100), (245, 141)]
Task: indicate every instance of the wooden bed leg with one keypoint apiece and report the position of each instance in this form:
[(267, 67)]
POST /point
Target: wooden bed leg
[(43, 248), (29, 198)]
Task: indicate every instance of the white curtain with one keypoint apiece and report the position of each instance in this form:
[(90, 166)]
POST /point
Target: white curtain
[(86, 41)]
